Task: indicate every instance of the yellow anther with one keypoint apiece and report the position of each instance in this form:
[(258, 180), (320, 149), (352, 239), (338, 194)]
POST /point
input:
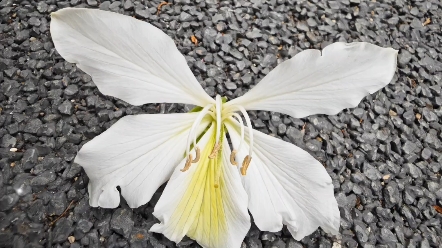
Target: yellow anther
[(232, 157), (197, 155), (188, 163), (245, 164), (215, 151)]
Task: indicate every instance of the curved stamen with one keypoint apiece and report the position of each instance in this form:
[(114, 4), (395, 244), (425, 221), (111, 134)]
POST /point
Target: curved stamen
[(249, 127), (248, 158), (218, 117), (234, 151), (195, 124), (237, 116)]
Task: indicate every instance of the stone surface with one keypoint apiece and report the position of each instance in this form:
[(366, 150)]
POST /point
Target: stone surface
[(383, 156), (122, 222)]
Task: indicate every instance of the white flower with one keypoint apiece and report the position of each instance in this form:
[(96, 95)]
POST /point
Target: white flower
[(208, 194)]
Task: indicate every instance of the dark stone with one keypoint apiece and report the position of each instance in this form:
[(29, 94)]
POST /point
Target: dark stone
[(93, 3), (43, 179), (84, 226), (71, 90), (62, 230), (66, 108), (371, 172), (392, 195), (142, 13), (32, 126), (387, 236), (294, 134), (122, 222), (8, 201), (58, 204), (269, 60)]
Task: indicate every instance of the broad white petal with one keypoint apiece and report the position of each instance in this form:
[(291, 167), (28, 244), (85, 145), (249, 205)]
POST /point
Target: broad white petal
[(138, 153), (287, 186), (315, 83), (191, 205), (127, 58)]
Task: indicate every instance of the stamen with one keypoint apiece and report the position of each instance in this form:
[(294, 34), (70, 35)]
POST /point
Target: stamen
[(248, 158), (250, 128), (215, 151), (188, 163), (245, 164), (218, 117), (232, 158), (237, 116), (195, 124), (197, 155)]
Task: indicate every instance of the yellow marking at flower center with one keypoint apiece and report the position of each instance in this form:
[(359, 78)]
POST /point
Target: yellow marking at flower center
[(201, 209)]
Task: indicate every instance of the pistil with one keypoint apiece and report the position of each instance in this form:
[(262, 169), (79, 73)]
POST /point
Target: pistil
[(215, 151)]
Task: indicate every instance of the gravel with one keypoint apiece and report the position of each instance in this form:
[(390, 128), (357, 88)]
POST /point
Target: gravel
[(384, 156)]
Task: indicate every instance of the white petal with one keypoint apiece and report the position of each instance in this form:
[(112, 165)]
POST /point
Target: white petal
[(126, 58), (311, 83), (191, 205), (287, 186), (138, 153)]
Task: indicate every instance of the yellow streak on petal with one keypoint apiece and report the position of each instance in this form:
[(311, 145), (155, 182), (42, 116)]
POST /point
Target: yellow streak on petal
[(201, 210)]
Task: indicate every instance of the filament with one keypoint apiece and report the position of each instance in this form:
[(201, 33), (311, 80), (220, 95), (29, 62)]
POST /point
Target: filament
[(237, 116), (195, 124), (218, 117), (249, 127)]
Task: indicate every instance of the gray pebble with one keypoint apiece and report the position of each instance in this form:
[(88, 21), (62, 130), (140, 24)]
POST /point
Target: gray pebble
[(122, 222), (66, 108)]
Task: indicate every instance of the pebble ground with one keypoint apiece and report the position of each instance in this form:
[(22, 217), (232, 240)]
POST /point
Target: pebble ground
[(384, 156)]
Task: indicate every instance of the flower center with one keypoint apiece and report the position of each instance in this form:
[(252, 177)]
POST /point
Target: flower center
[(219, 115)]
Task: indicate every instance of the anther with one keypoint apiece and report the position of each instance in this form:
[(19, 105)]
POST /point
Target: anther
[(232, 158), (197, 155), (188, 163), (245, 164), (215, 151)]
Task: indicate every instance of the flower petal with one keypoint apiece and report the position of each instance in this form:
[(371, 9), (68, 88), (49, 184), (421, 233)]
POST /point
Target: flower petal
[(190, 204), (126, 58), (287, 186), (138, 153), (315, 83)]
